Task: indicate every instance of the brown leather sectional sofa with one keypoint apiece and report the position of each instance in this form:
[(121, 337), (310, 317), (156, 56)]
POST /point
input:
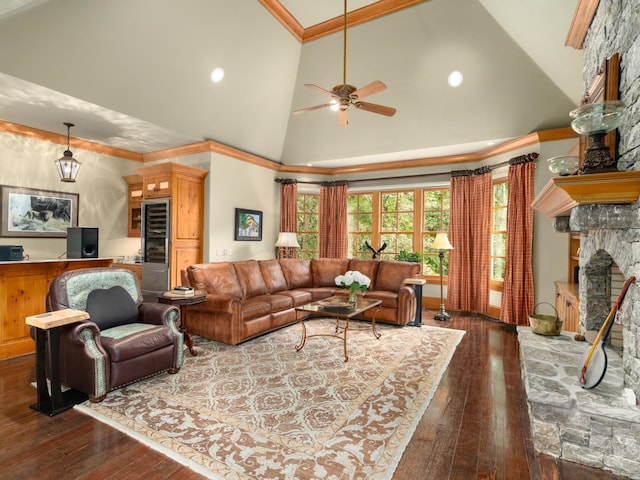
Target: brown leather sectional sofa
[(248, 298)]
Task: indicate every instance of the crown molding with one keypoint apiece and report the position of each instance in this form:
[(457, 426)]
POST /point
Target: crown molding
[(355, 17), (582, 18), (14, 128), (211, 146)]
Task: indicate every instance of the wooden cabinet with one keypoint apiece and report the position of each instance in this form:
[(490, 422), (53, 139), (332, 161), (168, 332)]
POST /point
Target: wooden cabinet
[(157, 185), (23, 292), (134, 204), (184, 185), (568, 305), (574, 257)]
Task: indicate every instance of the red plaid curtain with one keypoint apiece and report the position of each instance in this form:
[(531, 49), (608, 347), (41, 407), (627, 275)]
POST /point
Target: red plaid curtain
[(289, 212), (333, 220), (517, 294), (470, 235)]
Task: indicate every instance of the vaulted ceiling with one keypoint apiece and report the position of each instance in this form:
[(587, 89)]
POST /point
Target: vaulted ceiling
[(134, 74)]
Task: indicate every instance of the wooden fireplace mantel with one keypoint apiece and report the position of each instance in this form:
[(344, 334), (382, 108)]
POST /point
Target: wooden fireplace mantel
[(561, 194)]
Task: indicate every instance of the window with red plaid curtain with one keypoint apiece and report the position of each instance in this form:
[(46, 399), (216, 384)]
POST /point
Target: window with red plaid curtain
[(517, 294), (470, 235), (333, 220)]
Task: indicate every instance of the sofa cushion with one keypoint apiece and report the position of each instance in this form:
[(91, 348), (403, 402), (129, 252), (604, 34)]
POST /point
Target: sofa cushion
[(111, 307), (325, 270), (131, 341), (250, 278), (272, 275), (218, 278), (392, 273), (254, 307), (366, 267), (297, 272)]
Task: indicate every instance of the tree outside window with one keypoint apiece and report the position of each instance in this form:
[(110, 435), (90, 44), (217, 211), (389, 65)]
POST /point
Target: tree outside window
[(360, 224), (499, 230), (397, 223), (308, 206), (435, 219)]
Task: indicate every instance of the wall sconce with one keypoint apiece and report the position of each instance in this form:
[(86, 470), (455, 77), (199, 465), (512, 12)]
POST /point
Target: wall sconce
[(286, 243), (441, 243), (66, 165)]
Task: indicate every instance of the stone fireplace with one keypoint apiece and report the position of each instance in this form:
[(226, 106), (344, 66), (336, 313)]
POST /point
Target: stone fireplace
[(599, 427), (610, 235)]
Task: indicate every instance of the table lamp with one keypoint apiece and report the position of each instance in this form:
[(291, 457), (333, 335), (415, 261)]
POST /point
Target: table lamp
[(286, 241)]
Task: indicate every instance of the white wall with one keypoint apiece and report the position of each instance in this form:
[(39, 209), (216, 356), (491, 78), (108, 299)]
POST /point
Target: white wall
[(550, 249), (26, 162), (236, 184)]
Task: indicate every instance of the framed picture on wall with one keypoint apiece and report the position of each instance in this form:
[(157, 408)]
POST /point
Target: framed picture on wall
[(248, 225), (28, 212)]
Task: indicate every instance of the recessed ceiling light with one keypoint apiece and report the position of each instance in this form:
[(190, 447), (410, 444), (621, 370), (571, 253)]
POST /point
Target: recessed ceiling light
[(217, 74), (455, 79)]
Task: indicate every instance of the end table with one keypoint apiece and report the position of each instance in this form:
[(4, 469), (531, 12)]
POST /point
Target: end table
[(183, 302), (48, 326), (417, 287)]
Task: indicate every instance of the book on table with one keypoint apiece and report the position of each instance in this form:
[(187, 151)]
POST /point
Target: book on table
[(180, 292)]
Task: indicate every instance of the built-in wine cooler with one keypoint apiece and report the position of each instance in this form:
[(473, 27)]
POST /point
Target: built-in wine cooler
[(155, 247)]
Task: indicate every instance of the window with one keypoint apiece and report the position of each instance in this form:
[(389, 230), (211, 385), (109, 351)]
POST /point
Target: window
[(397, 221), (308, 225), (499, 230), (435, 219), (360, 224)]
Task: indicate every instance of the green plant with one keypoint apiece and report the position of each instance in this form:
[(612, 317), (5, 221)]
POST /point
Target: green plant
[(405, 256)]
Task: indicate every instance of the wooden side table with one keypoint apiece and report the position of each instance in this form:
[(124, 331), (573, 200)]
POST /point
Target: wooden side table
[(48, 326), (417, 287), (183, 302)]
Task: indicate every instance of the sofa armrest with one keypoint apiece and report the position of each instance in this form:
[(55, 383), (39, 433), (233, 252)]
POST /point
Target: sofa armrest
[(219, 303)]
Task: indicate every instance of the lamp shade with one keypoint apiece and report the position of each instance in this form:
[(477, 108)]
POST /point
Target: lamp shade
[(287, 239), (441, 242)]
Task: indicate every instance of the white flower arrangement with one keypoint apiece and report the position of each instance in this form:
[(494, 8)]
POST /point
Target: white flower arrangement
[(353, 281)]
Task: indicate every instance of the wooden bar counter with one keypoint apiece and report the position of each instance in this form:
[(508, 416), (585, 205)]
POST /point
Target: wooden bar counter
[(23, 291)]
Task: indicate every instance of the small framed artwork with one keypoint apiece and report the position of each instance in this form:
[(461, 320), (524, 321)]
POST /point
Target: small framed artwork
[(28, 212), (248, 225)]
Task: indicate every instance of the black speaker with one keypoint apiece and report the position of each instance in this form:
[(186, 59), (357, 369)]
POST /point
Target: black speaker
[(82, 242)]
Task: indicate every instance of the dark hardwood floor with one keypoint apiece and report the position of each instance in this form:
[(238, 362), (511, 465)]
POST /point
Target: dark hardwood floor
[(476, 426)]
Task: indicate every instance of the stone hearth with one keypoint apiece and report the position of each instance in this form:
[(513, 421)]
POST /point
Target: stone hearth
[(595, 427)]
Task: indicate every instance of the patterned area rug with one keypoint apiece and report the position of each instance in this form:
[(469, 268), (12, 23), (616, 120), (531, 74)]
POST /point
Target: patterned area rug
[(261, 410)]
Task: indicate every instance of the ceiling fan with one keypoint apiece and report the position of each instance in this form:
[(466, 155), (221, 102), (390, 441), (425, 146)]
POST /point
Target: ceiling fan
[(342, 96)]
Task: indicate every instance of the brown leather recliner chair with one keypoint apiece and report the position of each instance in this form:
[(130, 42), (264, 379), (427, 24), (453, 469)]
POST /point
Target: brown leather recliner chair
[(124, 340)]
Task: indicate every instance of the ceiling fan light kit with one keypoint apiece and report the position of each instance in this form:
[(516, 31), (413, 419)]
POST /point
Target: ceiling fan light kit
[(345, 95)]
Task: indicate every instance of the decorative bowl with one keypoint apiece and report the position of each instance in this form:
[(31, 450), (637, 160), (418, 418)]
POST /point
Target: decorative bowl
[(564, 165), (598, 117)]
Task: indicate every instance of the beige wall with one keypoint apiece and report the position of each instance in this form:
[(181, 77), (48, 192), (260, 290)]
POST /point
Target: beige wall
[(25, 162)]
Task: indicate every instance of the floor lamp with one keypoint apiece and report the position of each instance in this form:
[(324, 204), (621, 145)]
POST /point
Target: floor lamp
[(285, 243), (441, 243)]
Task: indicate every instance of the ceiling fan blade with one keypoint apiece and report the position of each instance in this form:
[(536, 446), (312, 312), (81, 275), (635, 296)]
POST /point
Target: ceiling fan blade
[(372, 107), (372, 88), (320, 89), (343, 117), (308, 109)]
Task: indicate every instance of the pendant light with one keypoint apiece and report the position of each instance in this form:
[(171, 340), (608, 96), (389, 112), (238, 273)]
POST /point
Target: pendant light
[(66, 165)]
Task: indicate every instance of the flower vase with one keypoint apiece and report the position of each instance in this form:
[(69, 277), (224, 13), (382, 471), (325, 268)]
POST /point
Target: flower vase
[(353, 297)]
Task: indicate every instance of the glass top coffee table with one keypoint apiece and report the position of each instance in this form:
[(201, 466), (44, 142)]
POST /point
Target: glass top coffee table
[(337, 307)]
